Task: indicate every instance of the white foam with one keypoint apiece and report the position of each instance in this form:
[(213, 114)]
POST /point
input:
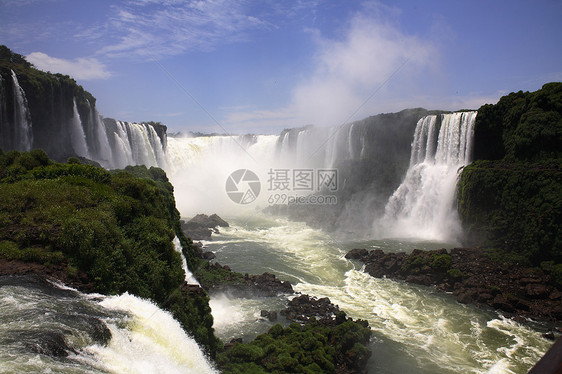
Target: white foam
[(151, 342)]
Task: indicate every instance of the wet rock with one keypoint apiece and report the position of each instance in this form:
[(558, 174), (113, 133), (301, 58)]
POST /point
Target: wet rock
[(303, 308), (472, 277), (202, 226), (464, 298), (262, 285), (269, 315), (501, 302), (357, 254), (50, 343), (208, 255)]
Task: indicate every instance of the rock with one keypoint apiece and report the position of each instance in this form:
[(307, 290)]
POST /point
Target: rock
[(419, 279), (208, 255), (202, 226), (50, 343), (484, 297), (537, 290), (264, 285), (302, 308), (217, 221), (501, 302), (270, 315), (464, 298), (375, 270), (555, 295), (549, 335), (513, 288), (357, 254)]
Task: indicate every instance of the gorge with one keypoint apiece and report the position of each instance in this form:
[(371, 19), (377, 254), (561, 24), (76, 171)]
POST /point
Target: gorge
[(404, 181)]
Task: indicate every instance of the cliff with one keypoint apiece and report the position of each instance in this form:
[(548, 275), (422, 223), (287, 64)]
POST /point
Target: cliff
[(99, 231), (510, 198), (52, 112)]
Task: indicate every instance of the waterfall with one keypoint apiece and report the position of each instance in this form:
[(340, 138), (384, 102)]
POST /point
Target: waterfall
[(423, 205), (142, 338), (23, 136), (77, 133), (135, 144), (102, 151), (84, 133), (189, 277)]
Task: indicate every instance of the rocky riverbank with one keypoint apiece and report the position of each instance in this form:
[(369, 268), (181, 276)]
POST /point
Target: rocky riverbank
[(54, 272), (474, 277)]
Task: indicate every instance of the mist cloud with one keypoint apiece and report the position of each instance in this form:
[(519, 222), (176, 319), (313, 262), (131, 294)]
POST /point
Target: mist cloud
[(348, 70)]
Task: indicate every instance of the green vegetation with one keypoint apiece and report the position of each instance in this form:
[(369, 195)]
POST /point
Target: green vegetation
[(511, 197), (313, 348), (116, 227), (210, 276), (434, 260)]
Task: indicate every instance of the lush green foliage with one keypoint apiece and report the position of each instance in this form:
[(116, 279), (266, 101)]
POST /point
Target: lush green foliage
[(522, 126), (511, 197), (116, 227), (514, 207), (313, 348)]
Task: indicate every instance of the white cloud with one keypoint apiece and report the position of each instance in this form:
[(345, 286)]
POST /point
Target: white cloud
[(349, 70), (368, 57), (171, 27), (80, 68)]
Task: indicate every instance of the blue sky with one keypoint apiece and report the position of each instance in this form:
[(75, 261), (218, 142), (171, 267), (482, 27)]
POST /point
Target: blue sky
[(261, 66)]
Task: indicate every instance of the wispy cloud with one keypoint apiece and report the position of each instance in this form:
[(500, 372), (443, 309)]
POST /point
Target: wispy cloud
[(79, 68), (141, 28)]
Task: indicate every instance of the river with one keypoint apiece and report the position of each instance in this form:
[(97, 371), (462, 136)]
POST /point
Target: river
[(415, 329)]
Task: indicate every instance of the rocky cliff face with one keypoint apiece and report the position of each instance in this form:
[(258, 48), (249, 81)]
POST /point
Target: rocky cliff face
[(52, 112)]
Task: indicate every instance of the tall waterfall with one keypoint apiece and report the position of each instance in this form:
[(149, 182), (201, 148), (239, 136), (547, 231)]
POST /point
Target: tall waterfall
[(77, 133), (423, 205), (71, 126), (322, 147), (22, 131)]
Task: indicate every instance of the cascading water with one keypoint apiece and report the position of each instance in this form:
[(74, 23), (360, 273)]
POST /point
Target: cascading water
[(113, 144), (134, 144), (189, 277), (77, 133), (97, 135), (23, 135), (50, 328), (423, 205)]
